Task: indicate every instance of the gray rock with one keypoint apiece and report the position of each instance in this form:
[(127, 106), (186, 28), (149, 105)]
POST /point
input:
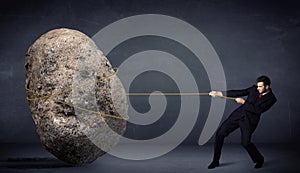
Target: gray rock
[(77, 103)]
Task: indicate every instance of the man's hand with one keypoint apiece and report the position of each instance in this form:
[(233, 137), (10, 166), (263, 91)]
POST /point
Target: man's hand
[(240, 100), (215, 93)]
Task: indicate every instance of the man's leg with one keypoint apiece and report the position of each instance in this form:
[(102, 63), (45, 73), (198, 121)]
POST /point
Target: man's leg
[(246, 134), (224, 130)]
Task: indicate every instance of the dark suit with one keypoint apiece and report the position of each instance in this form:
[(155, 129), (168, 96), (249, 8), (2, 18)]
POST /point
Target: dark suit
[(245, 117)]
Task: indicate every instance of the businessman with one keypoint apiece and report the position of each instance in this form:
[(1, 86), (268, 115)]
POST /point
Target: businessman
[(260, 98)]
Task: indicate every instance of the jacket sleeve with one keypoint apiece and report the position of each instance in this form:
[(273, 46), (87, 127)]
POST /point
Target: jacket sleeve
[(259, 108), (238, 93)]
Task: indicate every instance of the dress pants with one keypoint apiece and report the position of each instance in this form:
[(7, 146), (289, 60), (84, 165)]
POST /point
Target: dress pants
[(237, 120)]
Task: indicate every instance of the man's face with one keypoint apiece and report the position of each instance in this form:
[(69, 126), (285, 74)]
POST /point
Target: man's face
[(261, 87)]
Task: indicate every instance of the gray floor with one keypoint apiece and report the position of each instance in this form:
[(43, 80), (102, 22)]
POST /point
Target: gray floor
[(33, 158)]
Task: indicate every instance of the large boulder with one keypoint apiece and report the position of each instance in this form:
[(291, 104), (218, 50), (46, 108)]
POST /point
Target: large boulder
[(77, 102)]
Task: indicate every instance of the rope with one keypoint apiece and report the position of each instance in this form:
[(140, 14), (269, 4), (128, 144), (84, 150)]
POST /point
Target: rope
[(41, 96), (175, 94)]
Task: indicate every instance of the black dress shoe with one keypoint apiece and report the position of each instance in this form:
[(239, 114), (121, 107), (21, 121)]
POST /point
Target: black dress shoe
[(259, 163), (213, 165)]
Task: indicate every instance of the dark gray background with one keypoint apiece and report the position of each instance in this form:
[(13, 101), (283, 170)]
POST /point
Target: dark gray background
[(251, 38)]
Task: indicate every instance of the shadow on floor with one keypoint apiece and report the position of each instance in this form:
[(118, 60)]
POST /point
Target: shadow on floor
[(226, 164), (33, 163)]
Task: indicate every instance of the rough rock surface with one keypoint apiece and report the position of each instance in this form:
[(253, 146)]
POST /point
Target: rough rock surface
[(66, 119)]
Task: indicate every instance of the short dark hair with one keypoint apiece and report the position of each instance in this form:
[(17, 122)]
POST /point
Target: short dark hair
[(265, 79)]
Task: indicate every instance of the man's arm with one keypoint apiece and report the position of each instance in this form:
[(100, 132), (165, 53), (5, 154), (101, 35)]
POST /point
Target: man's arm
[(238, 93), (232, 93)]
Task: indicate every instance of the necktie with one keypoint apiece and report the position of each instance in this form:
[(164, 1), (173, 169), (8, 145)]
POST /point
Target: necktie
[(260, 95)]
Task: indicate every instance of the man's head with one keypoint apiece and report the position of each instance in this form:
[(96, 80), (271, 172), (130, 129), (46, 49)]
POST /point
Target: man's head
[(263, 84)]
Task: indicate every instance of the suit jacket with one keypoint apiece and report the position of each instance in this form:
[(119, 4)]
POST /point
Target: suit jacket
[(253, 106)]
